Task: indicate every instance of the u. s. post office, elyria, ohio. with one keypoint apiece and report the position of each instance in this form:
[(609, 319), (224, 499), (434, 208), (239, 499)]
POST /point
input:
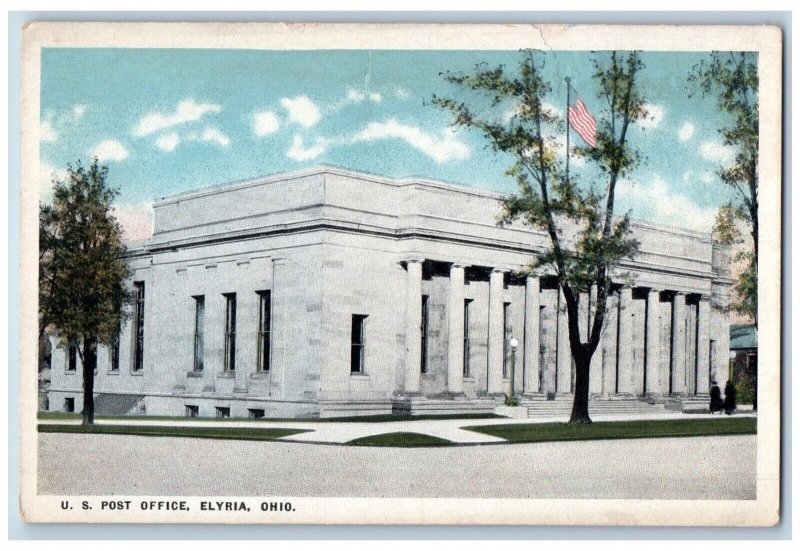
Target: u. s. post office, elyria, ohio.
[(326, 292)]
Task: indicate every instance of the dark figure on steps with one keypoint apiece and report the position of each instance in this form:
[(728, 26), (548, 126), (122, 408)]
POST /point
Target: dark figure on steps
[(730, 398), (716, 398)]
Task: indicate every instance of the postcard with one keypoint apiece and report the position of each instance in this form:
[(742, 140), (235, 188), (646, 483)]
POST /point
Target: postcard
[(400, 274)]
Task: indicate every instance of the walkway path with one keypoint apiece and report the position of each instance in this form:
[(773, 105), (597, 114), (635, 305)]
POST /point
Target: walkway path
[(343, 431)]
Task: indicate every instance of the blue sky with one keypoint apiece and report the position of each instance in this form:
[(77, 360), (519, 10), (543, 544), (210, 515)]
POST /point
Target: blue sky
[(167, 121)]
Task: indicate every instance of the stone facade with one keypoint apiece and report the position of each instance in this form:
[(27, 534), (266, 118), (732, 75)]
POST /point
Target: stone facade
[(331, 246)]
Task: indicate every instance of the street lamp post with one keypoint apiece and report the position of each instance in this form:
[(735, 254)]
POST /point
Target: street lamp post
[(513, 343)]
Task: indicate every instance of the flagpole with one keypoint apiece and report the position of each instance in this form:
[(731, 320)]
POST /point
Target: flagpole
[(568, 87)]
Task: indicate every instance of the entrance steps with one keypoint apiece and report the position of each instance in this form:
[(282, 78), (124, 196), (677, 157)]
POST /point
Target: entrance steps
[(561, 406)]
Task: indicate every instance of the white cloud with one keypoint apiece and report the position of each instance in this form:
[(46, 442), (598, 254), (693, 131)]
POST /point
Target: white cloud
[(401, 92), (664, 205), (655, 114), (109, 150), (707, 177), (78, 110), (717, 152), (299, 152), (212, 134), (47, 133), (440, 149), (187, 111), (359, 96), (136, 220), (686, 132), (46, 175), (302, 110), (168, 142), (265, 123)]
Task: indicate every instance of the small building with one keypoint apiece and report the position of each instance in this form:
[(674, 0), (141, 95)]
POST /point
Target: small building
[(744, 362), (327, 292)]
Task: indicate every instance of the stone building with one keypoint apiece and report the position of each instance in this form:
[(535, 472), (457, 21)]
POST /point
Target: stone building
[(325, 292)]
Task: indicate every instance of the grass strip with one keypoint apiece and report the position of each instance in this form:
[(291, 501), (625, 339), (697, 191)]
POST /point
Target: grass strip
[(222, 433), (60, 416), (400, 440), (606, 430)]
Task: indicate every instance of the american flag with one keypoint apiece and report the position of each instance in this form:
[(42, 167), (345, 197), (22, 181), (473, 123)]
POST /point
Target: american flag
[(583, 123)]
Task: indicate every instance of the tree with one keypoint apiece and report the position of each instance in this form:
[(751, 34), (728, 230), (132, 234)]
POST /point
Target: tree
[(733, 77), (82, 268), (587, 241)]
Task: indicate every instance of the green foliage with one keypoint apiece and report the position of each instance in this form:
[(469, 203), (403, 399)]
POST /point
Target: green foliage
[(725, 230), (733, 78), (668, 428), (512, 401), (747, 286), (82, 265), (587, 240), (745, 393)]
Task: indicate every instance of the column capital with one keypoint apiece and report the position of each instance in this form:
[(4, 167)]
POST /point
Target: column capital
[(410, 259), (651, 290), (461, 265), (500, 270), (680, 294)]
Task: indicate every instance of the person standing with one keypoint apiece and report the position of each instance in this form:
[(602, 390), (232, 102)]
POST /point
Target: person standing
[(716, 398), (730, 398)]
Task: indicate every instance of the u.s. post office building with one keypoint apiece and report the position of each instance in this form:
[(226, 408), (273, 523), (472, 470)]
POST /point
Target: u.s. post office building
[(326, 292)]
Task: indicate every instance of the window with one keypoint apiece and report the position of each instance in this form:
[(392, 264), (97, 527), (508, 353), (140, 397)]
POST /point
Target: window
[(357, 344), (199, 324), (264, 330), (466, 336), (223, 412), (230, 332), (138, 325), (424, 335), (114, 353), (507, 332), (192, 411), (256, 413), (72, 357), (69, 405)]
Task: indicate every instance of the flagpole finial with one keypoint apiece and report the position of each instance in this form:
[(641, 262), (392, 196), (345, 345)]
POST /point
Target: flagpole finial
[(567, 79)]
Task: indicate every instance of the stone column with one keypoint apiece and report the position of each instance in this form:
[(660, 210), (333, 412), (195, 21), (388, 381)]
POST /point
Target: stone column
[(608, 341), (495, 342), (455, 331), (703, 342), (678, 367), (281, 312), (625, 342), (531, 361), (653, 332), (563, 352), (413, 325), (596, 366)]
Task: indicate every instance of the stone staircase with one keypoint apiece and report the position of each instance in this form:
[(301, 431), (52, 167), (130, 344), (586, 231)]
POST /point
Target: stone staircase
[(561, 406)]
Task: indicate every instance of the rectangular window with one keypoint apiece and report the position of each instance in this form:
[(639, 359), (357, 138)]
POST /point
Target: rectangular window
[(223, 412), (256, 413), (192, 411), (199, 325), (114, 353), (69, 405), (138, 326), (507, 332), (466, 336), (357, 344), (72, 357), (424, 335), (230, 332), (264, 330)]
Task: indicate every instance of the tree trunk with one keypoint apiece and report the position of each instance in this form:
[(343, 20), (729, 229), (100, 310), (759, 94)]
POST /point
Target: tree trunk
[(580, 404), (89, 366)]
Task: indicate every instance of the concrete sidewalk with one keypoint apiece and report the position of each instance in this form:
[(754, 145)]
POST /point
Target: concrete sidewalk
[(340, 432)]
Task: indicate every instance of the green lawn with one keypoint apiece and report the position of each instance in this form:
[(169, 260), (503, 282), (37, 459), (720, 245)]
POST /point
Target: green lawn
[(550, 432), (400, 440), (223, 433), (60, 416)]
